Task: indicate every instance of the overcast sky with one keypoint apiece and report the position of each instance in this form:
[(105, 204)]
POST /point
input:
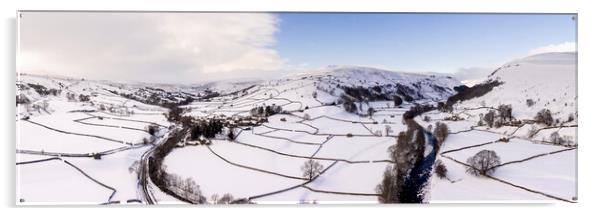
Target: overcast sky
[(198, 47)]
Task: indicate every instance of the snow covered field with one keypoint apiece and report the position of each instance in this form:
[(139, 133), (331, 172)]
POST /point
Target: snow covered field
[(105, 138)]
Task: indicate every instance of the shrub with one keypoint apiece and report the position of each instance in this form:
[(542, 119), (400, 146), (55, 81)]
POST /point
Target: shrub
[(152, 129), (306, 117), (530, 102), (441, 132), (440, 169), (226, 199), (84, 98), (556, 139), (571, 117), (544, 116), (350, 107), (371, 112), (397, 101), (426, 118), (483, 163), (231, 135)]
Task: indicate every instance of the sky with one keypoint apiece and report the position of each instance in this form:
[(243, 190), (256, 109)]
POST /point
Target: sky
[(198, 47)]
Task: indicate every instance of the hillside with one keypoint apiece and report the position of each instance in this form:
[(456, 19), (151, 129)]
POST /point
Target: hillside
[(525, 113), (548, 79), (103, 129)]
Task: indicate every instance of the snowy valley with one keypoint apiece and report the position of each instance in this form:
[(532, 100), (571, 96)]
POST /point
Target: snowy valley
[(324, 136)]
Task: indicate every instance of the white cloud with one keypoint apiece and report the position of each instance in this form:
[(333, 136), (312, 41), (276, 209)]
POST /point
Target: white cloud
[(473, 75), (153, 47), (561, 47)]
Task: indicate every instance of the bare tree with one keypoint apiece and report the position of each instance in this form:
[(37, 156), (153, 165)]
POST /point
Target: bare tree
[(311, 169), (440, 169), (388, 130), (483, 163), (505, 111), (489, 118)]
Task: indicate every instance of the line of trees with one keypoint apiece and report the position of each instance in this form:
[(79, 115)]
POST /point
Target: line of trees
[(265, 111), (396, 187)]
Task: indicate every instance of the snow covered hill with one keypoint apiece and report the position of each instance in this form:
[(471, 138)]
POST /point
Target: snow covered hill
[(537, 147), (549, 80), (410, 86)]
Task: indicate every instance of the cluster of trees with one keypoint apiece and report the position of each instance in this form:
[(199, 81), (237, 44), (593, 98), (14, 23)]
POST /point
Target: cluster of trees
[(22, 99), (396, 186), (227, 199), (472, 92), (483, 163), (417, 110), (365, 94), (157, 170), (43, 91), (560, 140), (84, 98), (491, 118), (207, 129), (348, 103), (406, 92), (265, 111), (184, 188), (175, 112), (544, 116)]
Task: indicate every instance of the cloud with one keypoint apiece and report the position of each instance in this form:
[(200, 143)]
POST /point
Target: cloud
[(561, 47), (472, 75), (152, 47)]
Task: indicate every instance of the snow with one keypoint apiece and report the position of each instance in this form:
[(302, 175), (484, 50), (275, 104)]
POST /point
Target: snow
[(468, 188), (53, 141), (353, 178), (554, 174), (56, 182), (357, 148), (303, 195), (513, 150), (549, 79), (218, 177), (461, 140), (279, 145), (260, 159), (113, 170)]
